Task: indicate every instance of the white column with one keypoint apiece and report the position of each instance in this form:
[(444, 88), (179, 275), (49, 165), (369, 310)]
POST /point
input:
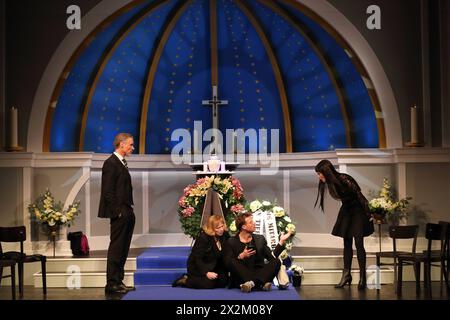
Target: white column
[(27, 191), (145, 203), (87, 202), (401, 182), (286, 190), (401, 179)]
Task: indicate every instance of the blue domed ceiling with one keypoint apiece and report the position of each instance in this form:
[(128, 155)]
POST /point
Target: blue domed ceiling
[(147, 69)]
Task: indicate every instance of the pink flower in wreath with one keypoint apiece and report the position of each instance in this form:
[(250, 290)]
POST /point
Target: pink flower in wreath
[(237, 186), (236, 183), (182, 201), (200, 181), (187, 212), (237, 194), (237, 208), (188, 189)]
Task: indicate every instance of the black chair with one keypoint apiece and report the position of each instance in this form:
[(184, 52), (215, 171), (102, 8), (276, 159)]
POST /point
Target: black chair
[(398, 232), (434, 232), (445, 262), (18, 234), (8, 263), (445, 253)]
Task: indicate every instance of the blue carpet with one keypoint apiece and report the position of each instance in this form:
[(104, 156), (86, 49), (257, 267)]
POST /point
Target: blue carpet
[(158, 267), (169, 293)]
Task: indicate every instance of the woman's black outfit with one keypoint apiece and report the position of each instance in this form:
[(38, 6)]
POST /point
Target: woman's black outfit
[(207, 257), (353, 221)]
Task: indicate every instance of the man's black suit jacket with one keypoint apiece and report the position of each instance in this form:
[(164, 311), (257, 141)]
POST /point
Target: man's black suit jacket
[(116, 191), (262, 250)]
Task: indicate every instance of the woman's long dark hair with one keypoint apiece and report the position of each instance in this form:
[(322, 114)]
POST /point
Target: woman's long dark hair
[(332, 183)]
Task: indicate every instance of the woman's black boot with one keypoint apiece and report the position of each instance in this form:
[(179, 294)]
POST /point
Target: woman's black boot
[(362, 280), (180, 282), (346, 278)]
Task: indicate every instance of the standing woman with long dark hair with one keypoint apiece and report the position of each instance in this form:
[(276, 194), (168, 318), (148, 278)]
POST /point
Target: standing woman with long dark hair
[(353, 220)]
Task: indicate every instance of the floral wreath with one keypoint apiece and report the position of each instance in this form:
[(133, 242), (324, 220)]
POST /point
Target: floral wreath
[(233, 202), (284, 222), (191, 203)]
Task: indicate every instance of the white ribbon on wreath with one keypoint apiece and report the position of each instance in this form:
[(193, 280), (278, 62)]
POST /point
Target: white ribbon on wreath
[(266, 225)]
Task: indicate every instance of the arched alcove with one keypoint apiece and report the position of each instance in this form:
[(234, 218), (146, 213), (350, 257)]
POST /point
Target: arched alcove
[(145, 66)]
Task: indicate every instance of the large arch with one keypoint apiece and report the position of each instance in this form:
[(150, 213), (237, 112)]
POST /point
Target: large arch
[(337, 20)]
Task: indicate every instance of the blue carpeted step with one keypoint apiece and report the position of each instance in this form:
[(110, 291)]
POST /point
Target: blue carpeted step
[(161, 265), (157, 276), (163, 258)]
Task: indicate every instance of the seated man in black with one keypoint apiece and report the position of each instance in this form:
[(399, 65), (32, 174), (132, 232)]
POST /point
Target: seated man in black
[(246, 253)]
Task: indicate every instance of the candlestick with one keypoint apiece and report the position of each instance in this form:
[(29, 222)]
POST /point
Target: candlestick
[(414, 129), (14, 128)]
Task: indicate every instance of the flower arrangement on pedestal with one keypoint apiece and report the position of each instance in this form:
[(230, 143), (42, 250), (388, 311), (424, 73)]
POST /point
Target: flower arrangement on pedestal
[(191, 203), (385, 206), (51, 214), (283, 221)]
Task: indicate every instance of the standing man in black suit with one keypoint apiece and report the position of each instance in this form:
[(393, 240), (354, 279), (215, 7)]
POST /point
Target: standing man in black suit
[(116, 203)]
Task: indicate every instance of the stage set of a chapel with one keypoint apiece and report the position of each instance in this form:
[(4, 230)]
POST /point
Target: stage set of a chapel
[(151, 68)]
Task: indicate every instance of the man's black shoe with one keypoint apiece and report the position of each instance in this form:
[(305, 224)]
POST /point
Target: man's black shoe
[(115, 289), (127, 288)]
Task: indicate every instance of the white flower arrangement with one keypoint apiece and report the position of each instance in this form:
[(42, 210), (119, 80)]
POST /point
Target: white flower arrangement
[(49, 212), (233, 226), (255, 205), (386, 204), (297, 270), (284, 222)]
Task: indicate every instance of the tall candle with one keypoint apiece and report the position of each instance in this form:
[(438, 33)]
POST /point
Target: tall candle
[(14, 128), (414, 125)]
